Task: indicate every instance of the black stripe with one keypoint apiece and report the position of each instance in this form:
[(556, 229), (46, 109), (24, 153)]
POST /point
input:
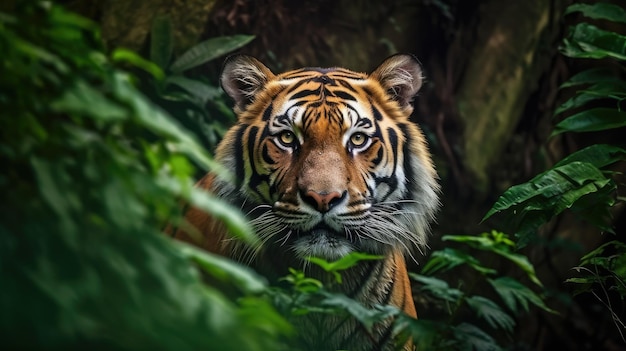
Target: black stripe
[(345, 96), (408, 169), (305, 93), (268, 112), (379, 156), (296, 86), (376, 113), (346, 85), (393, 143), (239, 166), (346, 76), (266, 156), (255, 178)]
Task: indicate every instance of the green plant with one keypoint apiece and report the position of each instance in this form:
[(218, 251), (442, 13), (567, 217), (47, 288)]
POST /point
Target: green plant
[(197, 103), (92, 172), (584, 182), (464, 313), (301, 295)]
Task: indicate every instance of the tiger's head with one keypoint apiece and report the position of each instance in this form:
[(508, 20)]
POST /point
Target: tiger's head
[(326, 159)]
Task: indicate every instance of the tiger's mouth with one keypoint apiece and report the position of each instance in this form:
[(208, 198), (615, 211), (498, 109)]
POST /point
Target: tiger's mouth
[(323, 241), (323, 229)]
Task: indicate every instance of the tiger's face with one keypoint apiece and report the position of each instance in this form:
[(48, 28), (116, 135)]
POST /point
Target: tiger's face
[(326, 160)]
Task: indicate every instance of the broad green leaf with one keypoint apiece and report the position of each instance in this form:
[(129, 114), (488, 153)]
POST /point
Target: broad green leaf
[(236, 223), (592, 76), (448, 258), (209, 50), (599, 155), (596, 207), (555, 182), (491, 312), (592, 120), (588, 41), (600, 10), (131, 57), (224, 269), (600, 91), (513, 293), (161, 41)]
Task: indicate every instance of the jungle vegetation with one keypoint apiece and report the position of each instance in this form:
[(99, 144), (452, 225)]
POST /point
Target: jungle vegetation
[(109, 113)]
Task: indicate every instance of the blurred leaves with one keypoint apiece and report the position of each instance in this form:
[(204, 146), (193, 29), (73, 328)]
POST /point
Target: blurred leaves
[(94, 170)]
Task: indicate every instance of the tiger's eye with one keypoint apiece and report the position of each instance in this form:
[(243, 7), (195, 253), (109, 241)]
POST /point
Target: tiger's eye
[(287, 138), (358, 139)]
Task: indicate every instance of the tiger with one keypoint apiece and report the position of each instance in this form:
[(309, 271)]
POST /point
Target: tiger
[(326, 162)]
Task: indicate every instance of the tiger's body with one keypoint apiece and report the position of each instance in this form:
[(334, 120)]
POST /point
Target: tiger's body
[(326, 163)]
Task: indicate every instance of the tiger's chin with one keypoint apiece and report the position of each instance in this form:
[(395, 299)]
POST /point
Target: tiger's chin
[(327, 244)]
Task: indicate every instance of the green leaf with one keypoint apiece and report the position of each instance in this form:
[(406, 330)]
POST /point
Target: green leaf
[(162, 125), (591, 76), (209, 50), (601, 10), (592, 120), (234, 220), (591, 257), (565, 184), (470, 337), (600, 91), (200, 90), (588, 41), (448, 258), (598, 155), (131, 57), (491, 312), (224, 269), (367, 317), (502, 246), (347, 261), (84, 100), (437, 288), (513, 293), (161, 41)]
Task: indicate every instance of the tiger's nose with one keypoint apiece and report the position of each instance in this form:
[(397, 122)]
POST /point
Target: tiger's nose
[(323, 201)]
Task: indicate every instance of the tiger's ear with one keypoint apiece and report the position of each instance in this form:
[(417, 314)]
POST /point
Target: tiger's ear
[(243, 77), (401, 76)]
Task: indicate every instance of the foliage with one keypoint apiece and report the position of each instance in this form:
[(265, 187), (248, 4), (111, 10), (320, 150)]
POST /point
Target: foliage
[(583, 182), (92, 172), (303, 296), (456, 332), (603, 274), (194, 101)]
